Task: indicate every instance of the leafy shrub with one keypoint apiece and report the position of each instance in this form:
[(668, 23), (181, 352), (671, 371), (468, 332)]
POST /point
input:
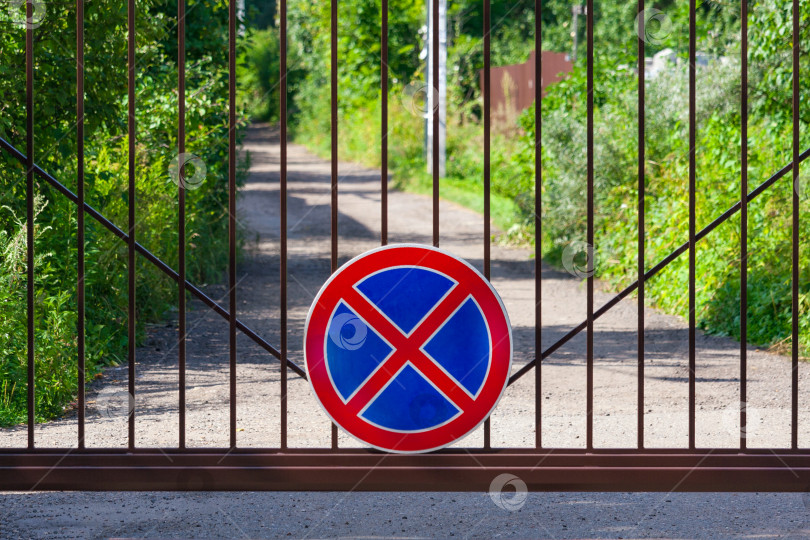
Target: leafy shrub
[(106, 179), (718, 169), (53, 316)]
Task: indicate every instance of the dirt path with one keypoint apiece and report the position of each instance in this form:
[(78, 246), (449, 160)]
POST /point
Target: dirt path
[(563, 389)]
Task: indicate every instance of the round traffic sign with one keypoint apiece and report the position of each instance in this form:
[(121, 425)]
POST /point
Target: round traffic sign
[(408, 348)]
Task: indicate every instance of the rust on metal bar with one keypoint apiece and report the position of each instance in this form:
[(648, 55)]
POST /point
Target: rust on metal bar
[(333, 84), (487, 135)]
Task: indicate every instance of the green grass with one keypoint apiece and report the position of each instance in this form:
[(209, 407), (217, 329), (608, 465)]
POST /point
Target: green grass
[(467, 194), (359, 142)]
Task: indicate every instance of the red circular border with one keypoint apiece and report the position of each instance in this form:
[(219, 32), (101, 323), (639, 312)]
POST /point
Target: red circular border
[(408, 255)]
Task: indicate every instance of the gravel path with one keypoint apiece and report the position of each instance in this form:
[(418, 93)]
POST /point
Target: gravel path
[(415, 515)]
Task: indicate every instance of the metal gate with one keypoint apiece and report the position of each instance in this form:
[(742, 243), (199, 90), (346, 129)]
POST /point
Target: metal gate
[(470, 469)]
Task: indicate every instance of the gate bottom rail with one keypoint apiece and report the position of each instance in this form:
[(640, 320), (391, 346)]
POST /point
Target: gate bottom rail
[(362, 470)]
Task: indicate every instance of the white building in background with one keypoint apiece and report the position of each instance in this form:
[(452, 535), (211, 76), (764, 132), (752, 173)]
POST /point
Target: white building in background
[(666, 59)]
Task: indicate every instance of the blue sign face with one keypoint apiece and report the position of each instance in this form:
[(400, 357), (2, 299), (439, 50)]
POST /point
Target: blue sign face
[(409, 401)]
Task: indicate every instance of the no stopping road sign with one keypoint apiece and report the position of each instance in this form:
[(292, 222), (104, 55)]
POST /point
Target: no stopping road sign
[(408, 348)]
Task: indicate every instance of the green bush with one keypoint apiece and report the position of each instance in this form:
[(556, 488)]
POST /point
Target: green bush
[(53, 316), (258, 75), (106, 179), (718, 168)]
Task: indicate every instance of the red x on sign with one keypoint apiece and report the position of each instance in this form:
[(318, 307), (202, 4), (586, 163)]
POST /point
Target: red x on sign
[(408, 348)]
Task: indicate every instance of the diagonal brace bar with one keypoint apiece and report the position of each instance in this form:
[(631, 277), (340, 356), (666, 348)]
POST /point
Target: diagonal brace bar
[(657, 268)]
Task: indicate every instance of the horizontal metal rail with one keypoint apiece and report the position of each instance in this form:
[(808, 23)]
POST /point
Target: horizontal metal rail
[(363, 470), (148, 255)]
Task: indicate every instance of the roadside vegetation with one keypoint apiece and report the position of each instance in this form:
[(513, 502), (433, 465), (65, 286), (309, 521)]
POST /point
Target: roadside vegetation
[(718, 163), (513, 152), (106, 159)]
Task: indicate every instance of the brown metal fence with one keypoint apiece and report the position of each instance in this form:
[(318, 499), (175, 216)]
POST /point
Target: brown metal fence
[(540, 467), (513, 88)]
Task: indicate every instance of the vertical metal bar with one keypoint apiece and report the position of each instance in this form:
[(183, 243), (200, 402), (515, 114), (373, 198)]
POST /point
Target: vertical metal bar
[(538, 222), (334, 132), (436, 107), (384, 126), (232, 212), (487, 135), (589, 345), (487, 164), (795, 304), (334, 203), (29, 200), (283, 224), (181, 219), (131, 208), (743, 223), (692, 167), (641, 225), (80, 214)]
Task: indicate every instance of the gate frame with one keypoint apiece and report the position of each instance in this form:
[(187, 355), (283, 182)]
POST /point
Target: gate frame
[(465, 469)]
